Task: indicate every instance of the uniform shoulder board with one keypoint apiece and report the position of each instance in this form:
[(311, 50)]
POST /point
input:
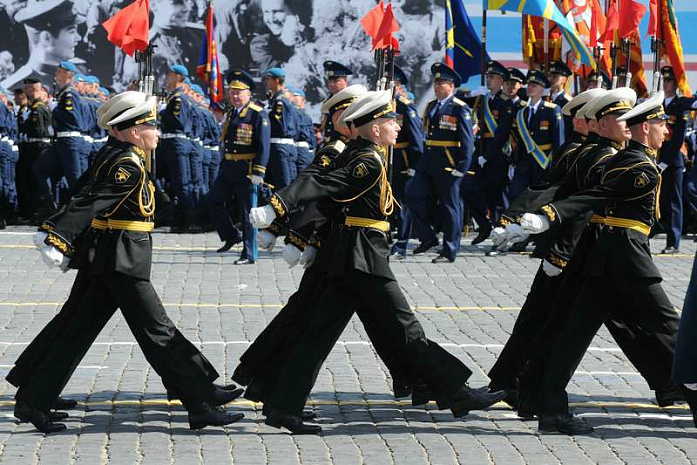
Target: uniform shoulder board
[(550, 105), (404, 100), (505, 96), (459, 102), (523, 103), (255, 107)]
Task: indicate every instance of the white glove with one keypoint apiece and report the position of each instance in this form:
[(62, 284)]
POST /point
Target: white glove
[(307, 258), (39, 239), (662, 166), (534, 224), (262, 217), (499, 236), (266, 240), (482, 161), (291, 254), (457, 174), (256, 180), (550, 270), (481, 90), (52, 256), (516, 234), (411, 172)]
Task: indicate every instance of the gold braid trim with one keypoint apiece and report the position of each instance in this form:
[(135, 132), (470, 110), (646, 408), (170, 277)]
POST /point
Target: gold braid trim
[(316, 242), (278, 205), (550, 212), (296, 240), (59, 243), (556, 260)]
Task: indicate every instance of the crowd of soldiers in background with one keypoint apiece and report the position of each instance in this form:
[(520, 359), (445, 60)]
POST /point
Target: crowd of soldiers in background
[(48, 139)]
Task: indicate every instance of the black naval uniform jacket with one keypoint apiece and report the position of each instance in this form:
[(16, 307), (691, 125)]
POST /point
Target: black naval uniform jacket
[(625, 198), (115, 211), (361, 186)]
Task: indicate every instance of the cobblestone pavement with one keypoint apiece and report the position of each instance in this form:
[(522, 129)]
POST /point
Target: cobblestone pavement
[(469, 306)]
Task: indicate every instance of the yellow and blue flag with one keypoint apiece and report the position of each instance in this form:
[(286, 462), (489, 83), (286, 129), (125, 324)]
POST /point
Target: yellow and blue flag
[(546, 9), (463, 48)]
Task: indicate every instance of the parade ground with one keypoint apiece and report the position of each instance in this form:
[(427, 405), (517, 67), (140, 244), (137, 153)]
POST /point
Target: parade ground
[(123, 415)]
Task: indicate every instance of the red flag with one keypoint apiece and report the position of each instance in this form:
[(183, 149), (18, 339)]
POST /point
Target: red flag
[(129, 29), (631, 13), (653, 18), (388, 26), (611, 24), (597, 23), (372, 20)]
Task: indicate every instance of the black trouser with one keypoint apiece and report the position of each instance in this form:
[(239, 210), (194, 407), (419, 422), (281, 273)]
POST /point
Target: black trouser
[(266, 356), (179, 363), (398, 327), (27, 199), (639, 301)]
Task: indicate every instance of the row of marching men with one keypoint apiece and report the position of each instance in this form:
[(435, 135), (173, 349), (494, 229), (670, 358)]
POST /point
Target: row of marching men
[(46, 142)]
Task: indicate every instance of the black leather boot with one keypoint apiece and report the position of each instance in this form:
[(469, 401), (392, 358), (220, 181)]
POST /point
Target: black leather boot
[(204, 415), (292, 423), (41, 420)]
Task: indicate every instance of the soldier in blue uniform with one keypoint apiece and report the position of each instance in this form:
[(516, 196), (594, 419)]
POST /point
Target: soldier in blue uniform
[(197, 157), (407, 151), (671, 160), (448, 152), (541, 130), (246, 145), (337, 80), (284, 130), (513, 86), (8, 159), (175, 147), (306, 144), (558, 76), (65, 157)]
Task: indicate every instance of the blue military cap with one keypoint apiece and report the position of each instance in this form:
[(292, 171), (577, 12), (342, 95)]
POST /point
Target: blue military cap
[(196, 88), (667, 72), (299, 92), (332, 69), (557, 67), (443, 71), (104, 91), (4, 91), (187, 81), (514, 74), (411, 96), (239, 79), (68, 66), (180, 70), (80, 78), (276, 73), (400, 75), (494, 67), (537, 77), (92, 79)]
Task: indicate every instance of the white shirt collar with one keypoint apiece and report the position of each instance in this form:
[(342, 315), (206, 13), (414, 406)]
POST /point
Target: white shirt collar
[(668, 100), (534, 107), (446, 99)]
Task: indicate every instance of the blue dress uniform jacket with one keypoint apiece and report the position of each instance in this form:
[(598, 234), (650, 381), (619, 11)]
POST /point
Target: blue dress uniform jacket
[(562, 99), (306, 145), (8, 159), (407, 152), (284, 133), (546, 127), (246, 135)]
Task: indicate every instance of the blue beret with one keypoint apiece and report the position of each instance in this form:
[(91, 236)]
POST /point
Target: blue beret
[(537, 77), (411, 96), (400, 75), (299, 92), (442, 71), (239, 79), (104, 91), (196, 88), (92, 79), (333, 69), (187, 81), (68, 66), (180, 70), (276, 73), (80, 78)]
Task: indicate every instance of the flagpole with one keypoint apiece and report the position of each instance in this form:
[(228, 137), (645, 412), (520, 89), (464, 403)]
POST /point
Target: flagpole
[(546, 46), (656, 49), (480, 109)]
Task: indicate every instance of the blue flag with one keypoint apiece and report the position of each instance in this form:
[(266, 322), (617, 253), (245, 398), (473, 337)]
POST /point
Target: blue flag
[(463, 48)]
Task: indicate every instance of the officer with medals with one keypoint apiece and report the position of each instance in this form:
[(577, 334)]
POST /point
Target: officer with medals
[(337, 80), (105, 231), (498, 111), (359, 274), (282, 167), (246, 146), (407, 151), (672, 160), (541, 130), (558, 75), (619, 276), (65, 156), (448, 152), (38, 130), (176, 148)]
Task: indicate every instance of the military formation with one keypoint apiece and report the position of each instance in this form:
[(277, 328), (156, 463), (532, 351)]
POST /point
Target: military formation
[(585, 179)]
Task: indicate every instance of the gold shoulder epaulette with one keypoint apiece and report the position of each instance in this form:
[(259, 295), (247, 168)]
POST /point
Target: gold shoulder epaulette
[(459, 102), (404, 100), (550, 105), (523, 103), (255, 107)]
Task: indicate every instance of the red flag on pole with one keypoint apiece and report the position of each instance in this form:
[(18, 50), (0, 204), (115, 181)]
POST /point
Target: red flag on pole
[(612, 22), (653, 18), (388, 26), (372, 20), (129, 29), (631, 13)]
